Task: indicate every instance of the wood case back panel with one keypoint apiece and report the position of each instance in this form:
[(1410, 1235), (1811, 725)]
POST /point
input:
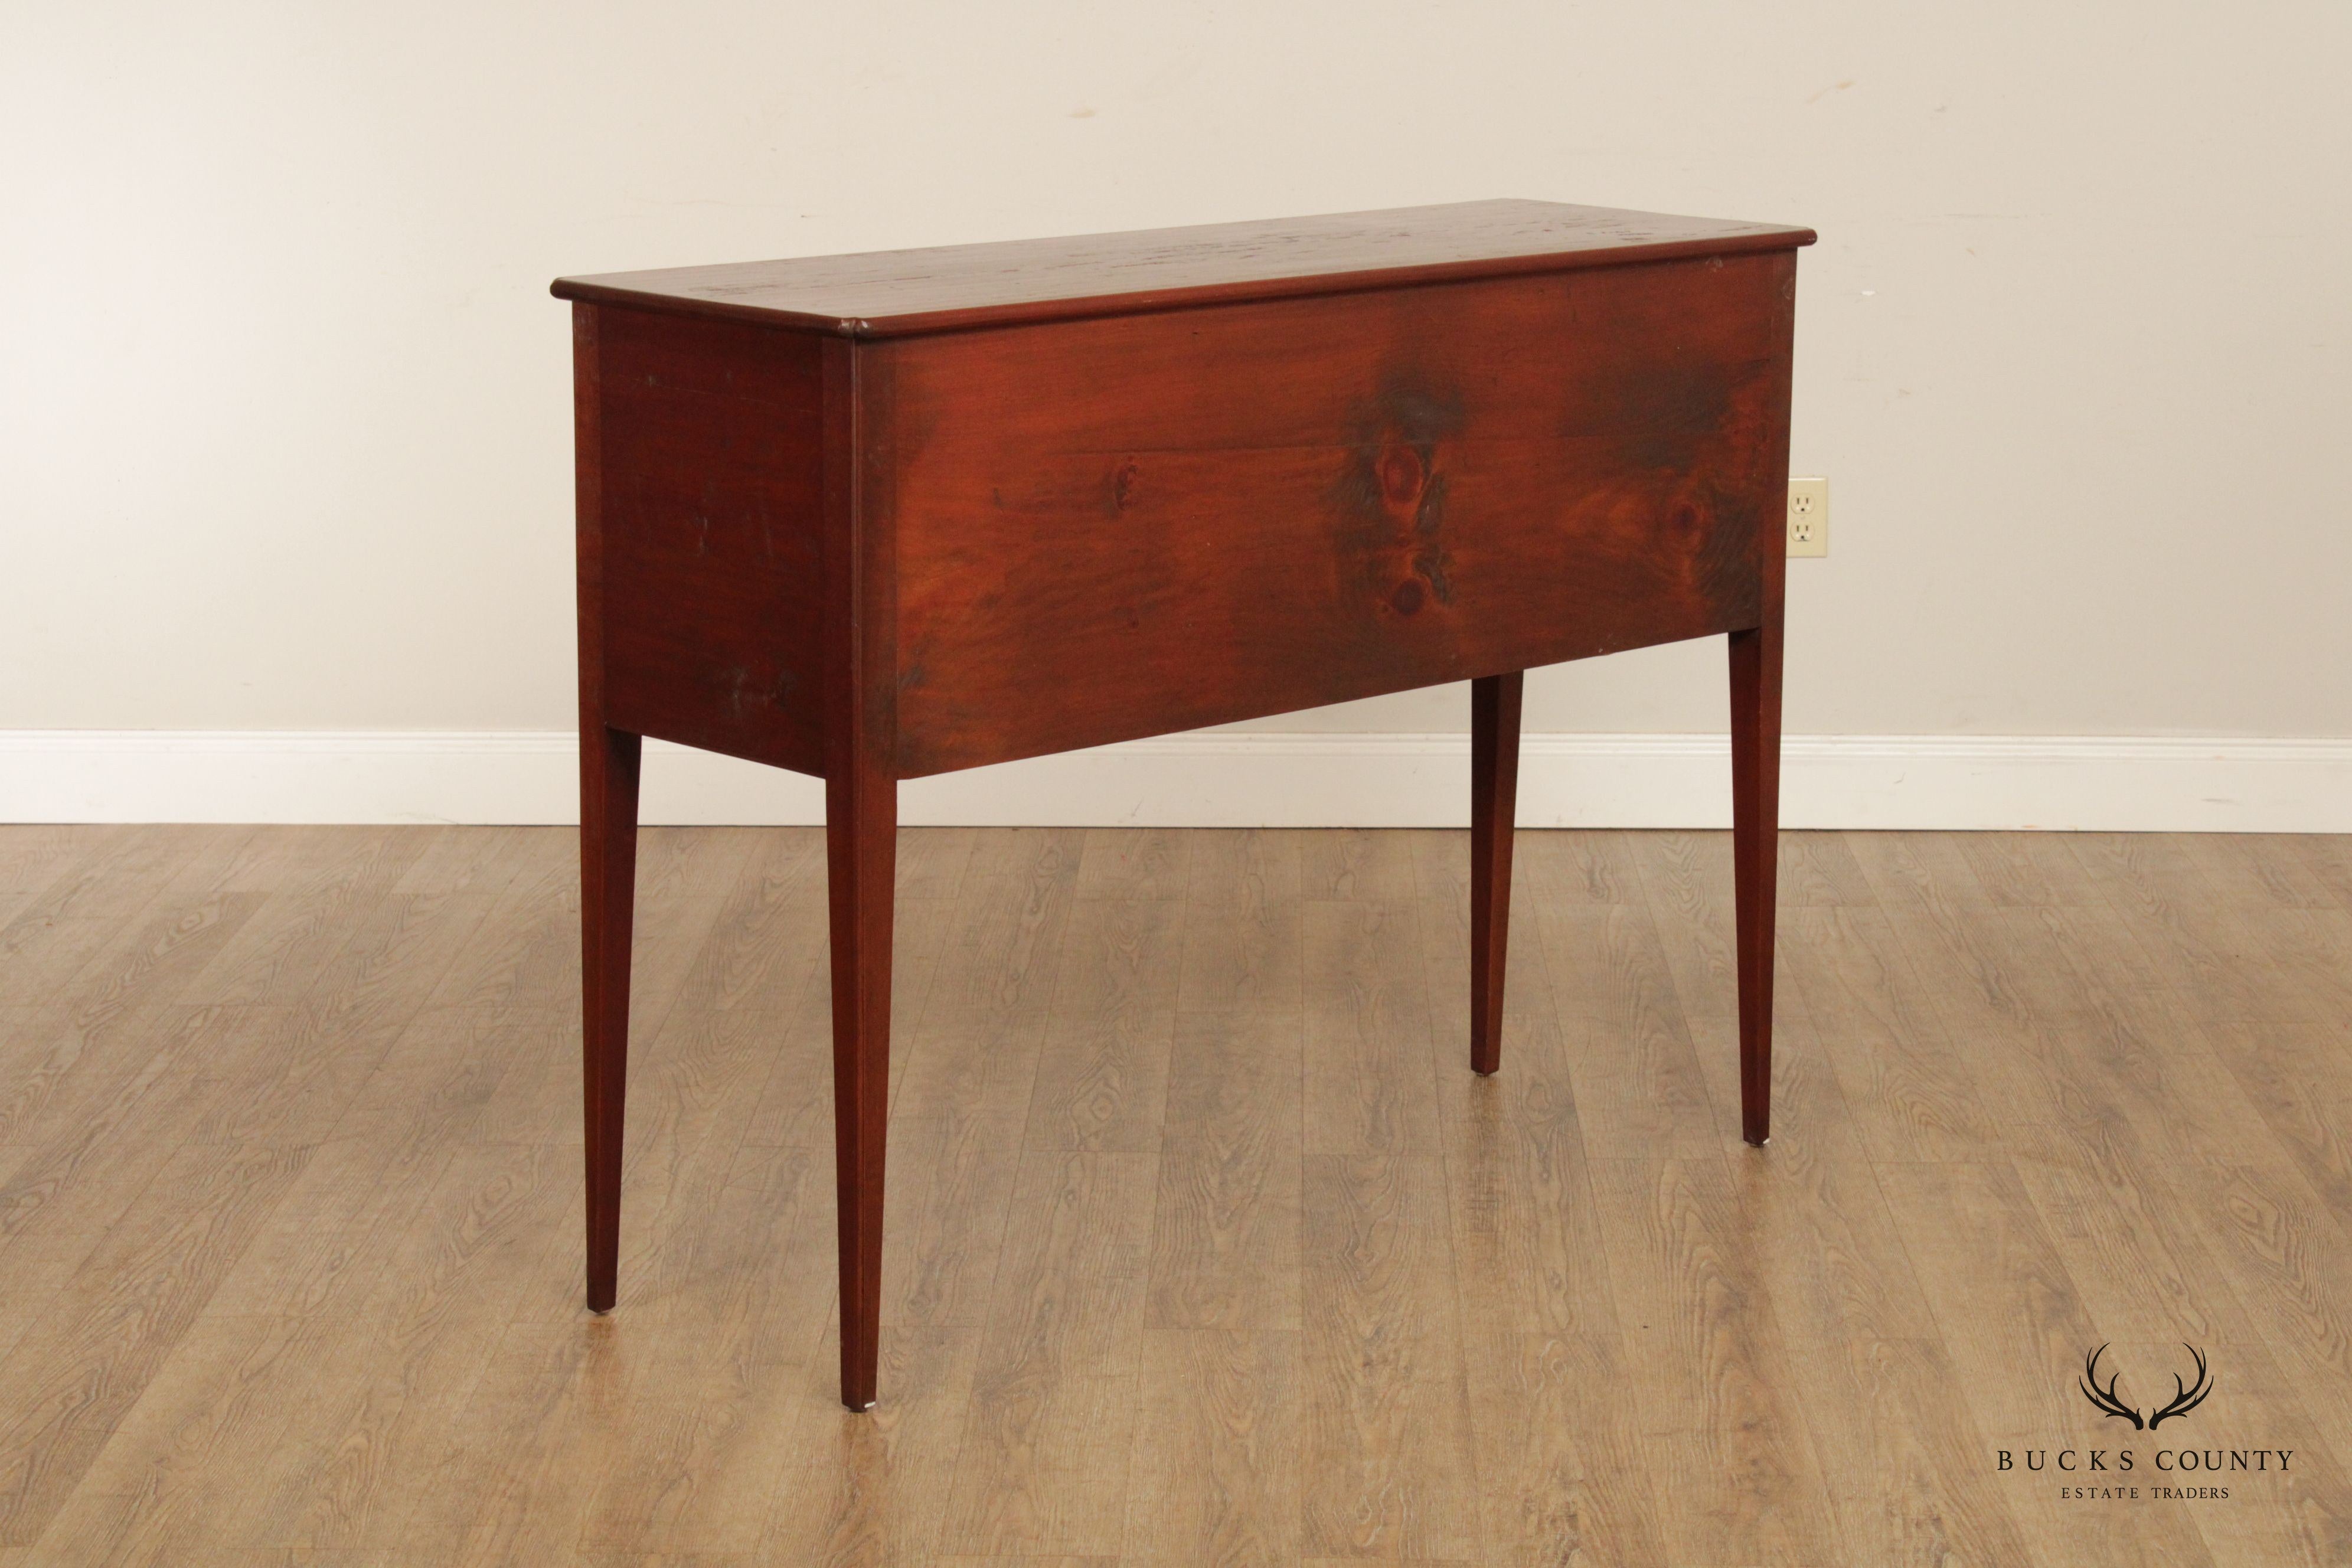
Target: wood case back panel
[(712, 489), (1134, 525)]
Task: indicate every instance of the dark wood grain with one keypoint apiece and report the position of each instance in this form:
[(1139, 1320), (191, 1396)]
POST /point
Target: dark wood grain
[(861, 810), (608, 852), (709, 445), (893, 292), (608, 841), (1494, 798), (1111, 529), (1756, 790), (874, 518), (1755, 817)]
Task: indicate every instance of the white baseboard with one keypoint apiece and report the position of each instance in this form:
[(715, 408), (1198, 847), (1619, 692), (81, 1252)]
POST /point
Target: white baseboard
[(1210, 779)]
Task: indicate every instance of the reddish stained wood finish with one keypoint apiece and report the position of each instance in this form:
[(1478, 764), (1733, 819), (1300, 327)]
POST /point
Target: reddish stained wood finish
[(608, 847), (861, 811), (1494, 800), (893, 293), (1755, 801), (1755, 859), (1148, 483), (1117, 528), (714, 463)]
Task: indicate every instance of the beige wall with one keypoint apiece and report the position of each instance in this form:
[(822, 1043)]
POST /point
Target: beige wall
[(283, 418)]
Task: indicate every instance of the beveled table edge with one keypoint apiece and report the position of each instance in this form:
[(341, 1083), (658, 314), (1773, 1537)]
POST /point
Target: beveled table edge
[(592, 290)]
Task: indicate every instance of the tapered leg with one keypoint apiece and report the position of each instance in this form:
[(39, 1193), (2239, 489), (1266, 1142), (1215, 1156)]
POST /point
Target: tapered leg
[(861, 831), (1494, 797), (608, 879), (1755, 849)]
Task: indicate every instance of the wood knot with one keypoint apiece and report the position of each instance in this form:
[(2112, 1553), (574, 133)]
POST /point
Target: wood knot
[(1407, 598), (1402, 474)]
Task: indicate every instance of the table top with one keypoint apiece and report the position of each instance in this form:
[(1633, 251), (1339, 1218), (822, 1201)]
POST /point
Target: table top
[(894, 293)]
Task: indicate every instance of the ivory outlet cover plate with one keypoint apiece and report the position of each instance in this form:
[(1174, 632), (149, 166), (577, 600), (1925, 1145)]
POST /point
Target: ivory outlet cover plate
[(1808, 517)]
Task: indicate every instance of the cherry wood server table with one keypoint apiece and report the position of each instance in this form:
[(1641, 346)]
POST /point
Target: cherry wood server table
[(874, 517)]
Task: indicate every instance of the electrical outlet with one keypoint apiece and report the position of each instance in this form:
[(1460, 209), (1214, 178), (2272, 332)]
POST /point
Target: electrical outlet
[(1808, 517)]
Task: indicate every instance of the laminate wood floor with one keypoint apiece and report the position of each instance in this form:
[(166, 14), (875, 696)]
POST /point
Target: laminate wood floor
[(1205, 1246)]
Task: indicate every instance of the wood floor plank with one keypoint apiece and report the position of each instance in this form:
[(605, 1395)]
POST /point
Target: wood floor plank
[(951, 1197), (112, 923), (153, 1495), (694, 1473), (1356, 865), (383, 977), (1818, 871), (2025, 870), (1640, 1091), (1369, 1066), (1552, 868), (507, 1484), (172, 944), (683, 864), (341, 1474), (75, 1373), (1974, 1236), (796, 1106), (1225, 1234), (1905, 1491), (2293, 1275), (931, 860), (1243, 939), (100, 1151), (1526, 1238), (874, 1488), (1563, 1474), (2266, 870), (34, 855), (1215, 1474), (302, 926), (972, 1049), (1926, 869), (691, 1102), (529, 955), (2200, 946), (2302, 1517), (1827, 1250), (756, 941), (1132, 865), (1910, 1090), (1389, 1448), (1714, 1413), (2329, 860), (746, 1299), (139, 864), (479, 862), (1045, 1461), (1205, 1245), (1102, 1064)]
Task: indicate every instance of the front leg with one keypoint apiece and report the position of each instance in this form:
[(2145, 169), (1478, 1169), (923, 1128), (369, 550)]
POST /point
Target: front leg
[(1755, 857), (608, 868), (861, 843)]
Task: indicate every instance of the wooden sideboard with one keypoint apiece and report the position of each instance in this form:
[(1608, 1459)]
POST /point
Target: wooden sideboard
[(875, 517)]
